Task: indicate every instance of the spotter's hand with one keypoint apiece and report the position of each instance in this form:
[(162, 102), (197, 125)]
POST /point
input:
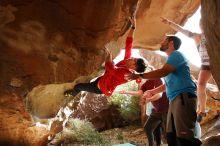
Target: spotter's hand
[(131, 76)]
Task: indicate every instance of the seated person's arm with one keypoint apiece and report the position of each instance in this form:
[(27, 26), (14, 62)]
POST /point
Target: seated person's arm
[(152, 92), (155, 97), (133, 93)]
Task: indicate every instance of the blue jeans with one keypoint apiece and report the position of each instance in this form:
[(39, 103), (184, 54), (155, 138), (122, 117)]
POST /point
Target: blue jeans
[(153, 126)]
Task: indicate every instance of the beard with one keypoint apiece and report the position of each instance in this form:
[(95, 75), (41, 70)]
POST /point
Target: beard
[(163, 48)]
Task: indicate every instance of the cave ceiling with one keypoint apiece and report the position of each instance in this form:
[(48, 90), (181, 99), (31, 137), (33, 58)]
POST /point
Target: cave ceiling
[(55, 41)]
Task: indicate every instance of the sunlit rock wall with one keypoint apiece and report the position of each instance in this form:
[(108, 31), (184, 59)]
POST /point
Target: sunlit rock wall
[(211, 22), (150, 31)]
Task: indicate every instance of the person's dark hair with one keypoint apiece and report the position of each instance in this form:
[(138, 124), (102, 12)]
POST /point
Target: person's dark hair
[(141, 65), (176, 41)]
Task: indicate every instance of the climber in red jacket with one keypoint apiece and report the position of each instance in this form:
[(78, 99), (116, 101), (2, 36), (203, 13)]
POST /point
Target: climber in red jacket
[(114, 74)]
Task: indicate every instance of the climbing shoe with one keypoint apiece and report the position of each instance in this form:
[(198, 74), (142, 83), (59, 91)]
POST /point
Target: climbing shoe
[(200, 116), (68, 93)]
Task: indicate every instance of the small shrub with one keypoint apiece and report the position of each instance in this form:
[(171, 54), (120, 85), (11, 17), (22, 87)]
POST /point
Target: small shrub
[(83, 131), (128, 105), (119, 135)]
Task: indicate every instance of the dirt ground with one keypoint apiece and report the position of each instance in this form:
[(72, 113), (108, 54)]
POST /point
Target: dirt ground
[(130, 135), (136, 136)]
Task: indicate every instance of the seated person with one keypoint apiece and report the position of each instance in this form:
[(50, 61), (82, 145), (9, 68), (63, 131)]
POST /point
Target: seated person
[(157, 118)]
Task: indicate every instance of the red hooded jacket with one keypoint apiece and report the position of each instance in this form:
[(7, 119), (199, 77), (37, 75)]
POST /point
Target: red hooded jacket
[(114, 74)]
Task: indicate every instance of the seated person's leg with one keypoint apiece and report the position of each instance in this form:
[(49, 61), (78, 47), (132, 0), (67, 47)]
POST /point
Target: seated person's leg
[(157, 135), (151, 124)]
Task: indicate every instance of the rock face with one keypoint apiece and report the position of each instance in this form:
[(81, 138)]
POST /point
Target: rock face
[(211, 22), (150, 31), (54, 41), (16, 125), (41, 40), (212, 138), (210, 11), (46, 43), (95, 108)]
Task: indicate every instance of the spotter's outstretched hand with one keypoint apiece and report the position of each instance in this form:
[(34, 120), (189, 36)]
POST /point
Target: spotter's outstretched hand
[(131, 76)]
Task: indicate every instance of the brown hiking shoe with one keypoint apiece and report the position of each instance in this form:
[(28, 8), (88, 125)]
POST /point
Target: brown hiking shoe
[(200, 116)]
